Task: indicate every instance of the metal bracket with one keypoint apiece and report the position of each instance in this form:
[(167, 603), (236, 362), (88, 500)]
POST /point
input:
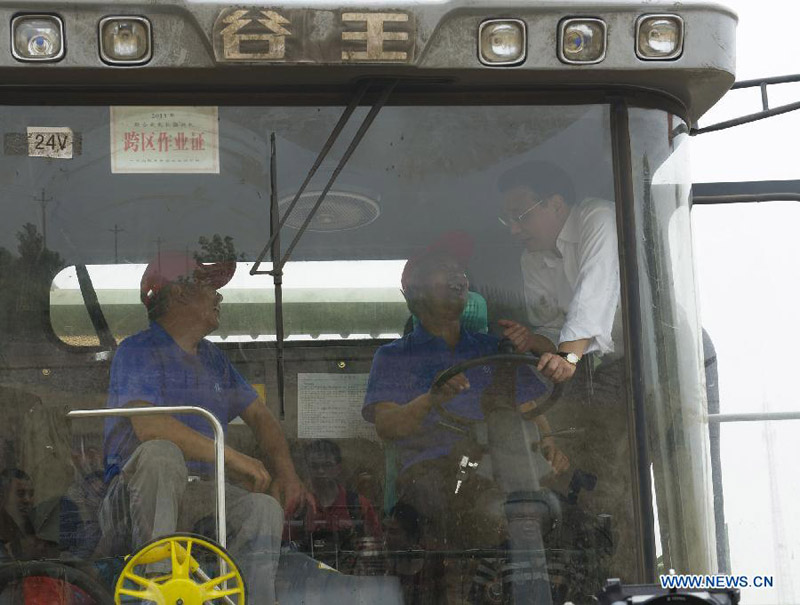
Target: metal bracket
[(760, 115)]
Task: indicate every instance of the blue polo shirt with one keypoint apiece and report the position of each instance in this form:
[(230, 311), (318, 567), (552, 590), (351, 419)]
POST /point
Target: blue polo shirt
[(405, 369), (151, 367)]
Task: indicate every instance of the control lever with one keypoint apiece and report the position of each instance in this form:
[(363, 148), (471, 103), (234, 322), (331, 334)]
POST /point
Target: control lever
[(465, 468), (580, 480), (565, 432), (452, 427)]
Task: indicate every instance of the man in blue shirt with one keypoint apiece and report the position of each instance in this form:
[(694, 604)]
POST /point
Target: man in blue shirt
[(401, 401), (172, 364)]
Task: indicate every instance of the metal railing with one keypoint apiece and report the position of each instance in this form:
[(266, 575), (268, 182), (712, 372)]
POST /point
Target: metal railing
[(754, 417), (767, 112), (219, 447)]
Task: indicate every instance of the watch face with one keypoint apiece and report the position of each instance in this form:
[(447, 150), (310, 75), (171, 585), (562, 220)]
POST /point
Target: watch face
[(572, 358)]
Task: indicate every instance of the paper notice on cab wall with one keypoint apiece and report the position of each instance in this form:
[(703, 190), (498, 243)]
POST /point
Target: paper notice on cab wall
[(329, 406)]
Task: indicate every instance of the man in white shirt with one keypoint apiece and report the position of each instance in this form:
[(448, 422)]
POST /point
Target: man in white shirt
[(570, 268), (570, 273)]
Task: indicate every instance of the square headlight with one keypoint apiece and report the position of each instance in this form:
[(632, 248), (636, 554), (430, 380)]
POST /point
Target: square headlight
[(659, 37), (125, 40), (582, 41), (502, 42), (37, 38)]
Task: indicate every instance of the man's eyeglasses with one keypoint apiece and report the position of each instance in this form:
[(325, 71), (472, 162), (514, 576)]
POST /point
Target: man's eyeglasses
[(516, 220)]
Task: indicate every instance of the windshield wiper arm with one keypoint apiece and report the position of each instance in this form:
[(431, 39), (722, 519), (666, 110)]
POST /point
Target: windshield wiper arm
[(337, 130), (273, 246), (277, 276), (343, 120)]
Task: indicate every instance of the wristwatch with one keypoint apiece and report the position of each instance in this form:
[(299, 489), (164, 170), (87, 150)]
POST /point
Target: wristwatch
[(570, 357)]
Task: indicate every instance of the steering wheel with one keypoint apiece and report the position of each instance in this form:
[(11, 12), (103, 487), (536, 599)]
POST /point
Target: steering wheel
[(514, 359)]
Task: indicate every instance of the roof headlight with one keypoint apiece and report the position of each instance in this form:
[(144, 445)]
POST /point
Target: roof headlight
[(37, 38), (583, 41), (659, 37), (125, 40), (502, 42)]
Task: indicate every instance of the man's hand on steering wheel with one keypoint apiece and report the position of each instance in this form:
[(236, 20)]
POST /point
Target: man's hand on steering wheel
[(445, 392), (452, 382), (555, 368), (552, 366), (521, 337)]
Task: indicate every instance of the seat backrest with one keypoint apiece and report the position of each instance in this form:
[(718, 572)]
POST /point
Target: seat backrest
[(475, 317)]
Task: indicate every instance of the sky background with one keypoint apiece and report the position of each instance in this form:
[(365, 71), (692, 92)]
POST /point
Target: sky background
[(748, 265)]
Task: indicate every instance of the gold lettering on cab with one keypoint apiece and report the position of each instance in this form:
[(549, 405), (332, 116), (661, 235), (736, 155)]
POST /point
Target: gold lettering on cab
[(296, 35), (241, 40), (372, 37)]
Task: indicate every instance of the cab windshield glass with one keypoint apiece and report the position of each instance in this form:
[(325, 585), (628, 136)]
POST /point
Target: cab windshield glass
[(136, 271)]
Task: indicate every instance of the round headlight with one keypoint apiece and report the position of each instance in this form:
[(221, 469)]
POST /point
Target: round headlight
[(502, 42), (659, 37), (37, 38), (125, 40), (582, 41)]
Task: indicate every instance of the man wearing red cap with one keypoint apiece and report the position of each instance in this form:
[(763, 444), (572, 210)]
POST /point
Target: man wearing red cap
[(401, 401), (149, 459)]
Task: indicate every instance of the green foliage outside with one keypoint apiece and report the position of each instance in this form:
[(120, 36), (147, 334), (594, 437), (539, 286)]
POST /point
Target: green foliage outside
[(25, 280)]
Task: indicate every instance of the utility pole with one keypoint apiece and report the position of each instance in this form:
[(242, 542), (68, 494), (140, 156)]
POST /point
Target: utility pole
[(116, 231), (43, 201)]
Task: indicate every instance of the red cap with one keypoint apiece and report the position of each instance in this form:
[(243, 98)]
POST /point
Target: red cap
[(170, 267), (457, 244)]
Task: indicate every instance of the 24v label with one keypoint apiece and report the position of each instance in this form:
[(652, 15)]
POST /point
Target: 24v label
[(50, 142)]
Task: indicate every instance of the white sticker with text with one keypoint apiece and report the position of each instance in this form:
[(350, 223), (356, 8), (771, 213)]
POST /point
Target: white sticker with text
[(50, 142), (166, 140)]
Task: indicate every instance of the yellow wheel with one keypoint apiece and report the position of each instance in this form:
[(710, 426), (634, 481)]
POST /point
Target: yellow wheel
[(180, 569)]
